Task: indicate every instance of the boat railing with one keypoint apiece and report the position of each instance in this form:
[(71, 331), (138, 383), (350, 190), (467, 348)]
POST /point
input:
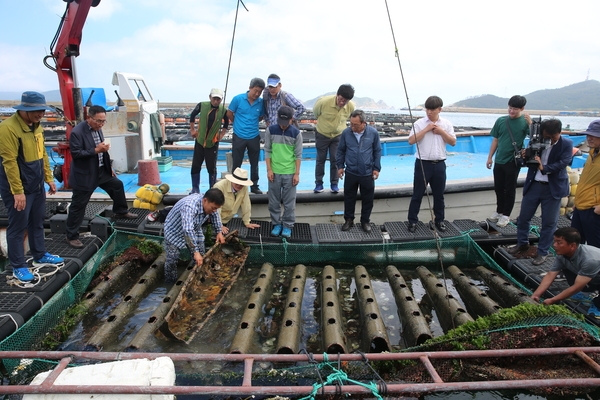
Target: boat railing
[(434, 383)]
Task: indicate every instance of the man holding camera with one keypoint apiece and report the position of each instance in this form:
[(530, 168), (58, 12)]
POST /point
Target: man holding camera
[(547, 182), (508, 135)]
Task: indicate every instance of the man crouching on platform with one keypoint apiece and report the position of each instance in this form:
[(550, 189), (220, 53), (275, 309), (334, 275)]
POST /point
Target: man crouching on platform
[(580, 264), (183, 228)]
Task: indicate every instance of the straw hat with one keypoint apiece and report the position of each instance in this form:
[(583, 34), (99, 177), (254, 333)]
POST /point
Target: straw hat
[(239, 176)]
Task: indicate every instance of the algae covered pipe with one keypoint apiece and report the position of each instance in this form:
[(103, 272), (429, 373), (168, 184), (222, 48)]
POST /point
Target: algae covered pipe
[(476, 300), (507, 294), (449, 311), (375, 338), (137, 293), (288, 341), (246, 331), (334, 340), (415, 328), (94, 297), (158, 316)]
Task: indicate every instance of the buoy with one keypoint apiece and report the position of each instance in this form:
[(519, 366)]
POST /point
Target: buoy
[(148, 172)]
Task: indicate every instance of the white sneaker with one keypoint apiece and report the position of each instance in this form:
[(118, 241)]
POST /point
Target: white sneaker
[(494, 217), (503, 221)]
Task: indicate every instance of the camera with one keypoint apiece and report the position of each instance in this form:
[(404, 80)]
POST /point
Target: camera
[(537, 142)]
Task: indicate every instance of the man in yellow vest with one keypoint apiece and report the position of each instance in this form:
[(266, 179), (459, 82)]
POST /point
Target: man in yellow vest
[(207, 136)]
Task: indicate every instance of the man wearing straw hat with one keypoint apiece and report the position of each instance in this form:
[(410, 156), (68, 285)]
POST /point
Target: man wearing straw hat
[(24, 167), (235, 189)]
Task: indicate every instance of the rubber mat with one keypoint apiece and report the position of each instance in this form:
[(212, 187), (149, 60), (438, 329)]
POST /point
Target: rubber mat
[(237, 224), (399, 232), (327, 233), (50, 207), (93, 209), (531, 274), (56, 243), (471, 226), (132, 224), (332, 233), (509, 230), (154, 228), (563, 222), (262, 234), (22, 303), (301, 234)]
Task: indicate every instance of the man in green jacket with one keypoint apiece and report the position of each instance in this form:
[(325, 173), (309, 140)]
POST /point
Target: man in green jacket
[(208, 135), (24, 167)]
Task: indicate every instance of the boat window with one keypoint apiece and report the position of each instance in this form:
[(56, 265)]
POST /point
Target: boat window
[(139, 87)]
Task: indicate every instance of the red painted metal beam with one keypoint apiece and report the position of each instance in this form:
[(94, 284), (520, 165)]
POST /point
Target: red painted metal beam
[(248, 359)]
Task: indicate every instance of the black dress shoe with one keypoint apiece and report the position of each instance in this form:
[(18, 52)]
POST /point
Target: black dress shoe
[(126, 216), (255, 190), (347, 225), (75, 243), (366, 226), (516, 249), (412, 227), (441, 226)]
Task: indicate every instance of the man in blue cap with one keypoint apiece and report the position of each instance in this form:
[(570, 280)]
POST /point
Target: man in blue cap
[(24, 167)]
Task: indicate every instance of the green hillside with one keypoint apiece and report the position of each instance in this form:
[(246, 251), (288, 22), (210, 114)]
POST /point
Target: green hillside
[(582, 96)]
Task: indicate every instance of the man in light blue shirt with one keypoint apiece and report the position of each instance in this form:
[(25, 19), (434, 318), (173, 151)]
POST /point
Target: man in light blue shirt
[(246, 110)]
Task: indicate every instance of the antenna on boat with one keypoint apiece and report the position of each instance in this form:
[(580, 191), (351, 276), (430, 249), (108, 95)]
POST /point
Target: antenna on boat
[(231, 49)]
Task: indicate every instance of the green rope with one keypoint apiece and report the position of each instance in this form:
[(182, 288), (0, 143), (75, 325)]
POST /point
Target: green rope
[(341, 377)]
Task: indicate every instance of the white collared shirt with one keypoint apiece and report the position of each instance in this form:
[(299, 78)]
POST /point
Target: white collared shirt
[(432, 147)]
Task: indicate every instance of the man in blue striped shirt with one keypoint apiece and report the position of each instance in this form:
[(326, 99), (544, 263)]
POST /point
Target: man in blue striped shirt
[(183, 228), (274, 98)]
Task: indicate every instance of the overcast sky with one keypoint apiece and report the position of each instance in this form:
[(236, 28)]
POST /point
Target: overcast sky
[(453, 49)]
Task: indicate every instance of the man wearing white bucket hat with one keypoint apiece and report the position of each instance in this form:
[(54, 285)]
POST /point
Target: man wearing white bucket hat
[(24, 167), (235, 189)]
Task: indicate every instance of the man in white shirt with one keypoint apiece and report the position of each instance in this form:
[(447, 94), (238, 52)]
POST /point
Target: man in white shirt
[(430, 134)]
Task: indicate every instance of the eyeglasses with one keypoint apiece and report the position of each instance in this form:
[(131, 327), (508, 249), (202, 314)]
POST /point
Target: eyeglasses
[(99, 121)]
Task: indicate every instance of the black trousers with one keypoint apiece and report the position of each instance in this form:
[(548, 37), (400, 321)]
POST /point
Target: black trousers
[(433, 174), (201, 154), (505, 186), (238, 148), (367, 192), (111, 185)]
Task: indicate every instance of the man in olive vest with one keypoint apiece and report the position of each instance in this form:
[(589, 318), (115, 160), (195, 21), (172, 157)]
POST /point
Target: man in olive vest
[(208, 135)]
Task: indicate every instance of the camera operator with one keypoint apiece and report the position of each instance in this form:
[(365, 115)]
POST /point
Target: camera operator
[(546, 183)]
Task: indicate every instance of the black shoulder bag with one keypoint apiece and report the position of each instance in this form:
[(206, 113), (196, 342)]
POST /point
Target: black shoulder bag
[(519, 161)]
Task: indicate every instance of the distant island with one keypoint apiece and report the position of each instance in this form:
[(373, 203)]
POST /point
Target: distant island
[(583, 96)]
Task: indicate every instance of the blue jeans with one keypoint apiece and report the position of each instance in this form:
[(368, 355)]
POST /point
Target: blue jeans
[(435, 176), (282, 191), (367, 193), (538, 193)]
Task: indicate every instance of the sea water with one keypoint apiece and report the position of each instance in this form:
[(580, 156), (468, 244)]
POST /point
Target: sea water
[(486, 121)]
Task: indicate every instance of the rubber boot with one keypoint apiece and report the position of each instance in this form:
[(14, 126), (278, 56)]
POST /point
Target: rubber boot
[(195, 183), (170, 273), (212, 179)]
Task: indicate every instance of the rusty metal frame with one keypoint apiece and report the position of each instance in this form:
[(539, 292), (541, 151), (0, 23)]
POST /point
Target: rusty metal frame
[(246, 388)]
